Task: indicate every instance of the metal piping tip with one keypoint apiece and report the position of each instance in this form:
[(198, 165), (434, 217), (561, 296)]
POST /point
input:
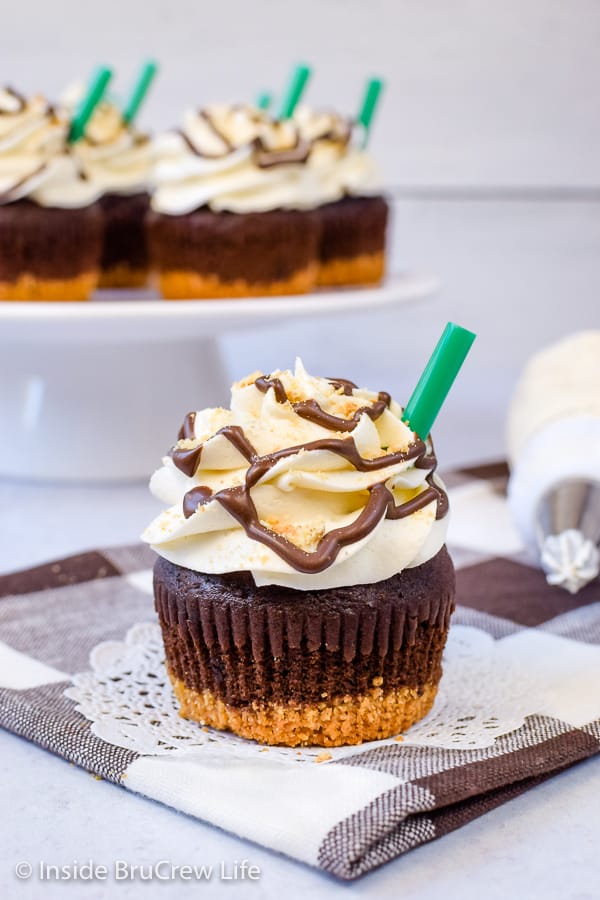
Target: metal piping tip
[(568, 533)]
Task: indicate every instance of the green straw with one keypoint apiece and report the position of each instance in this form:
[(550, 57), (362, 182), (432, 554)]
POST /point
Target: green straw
[(438, 377), (140, 90), (294, 92), (87, 106), (264, 100), (369, 105)]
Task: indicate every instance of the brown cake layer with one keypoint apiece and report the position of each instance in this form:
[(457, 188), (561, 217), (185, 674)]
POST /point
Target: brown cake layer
[(246, 644), (256, 248), (48, 244), (352, 246), (124, 248)]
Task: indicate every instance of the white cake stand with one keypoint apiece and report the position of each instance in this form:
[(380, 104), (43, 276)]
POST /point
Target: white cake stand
[(95, 391)]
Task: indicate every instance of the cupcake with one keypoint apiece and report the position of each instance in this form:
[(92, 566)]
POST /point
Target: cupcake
[(354, 220), (233, 207), (116, 158), (50, 222), (302, 585)]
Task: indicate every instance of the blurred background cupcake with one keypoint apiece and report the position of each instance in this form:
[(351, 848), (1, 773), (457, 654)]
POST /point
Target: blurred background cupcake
[(233, 210), (354, 219), (50, 220), (115, 156)]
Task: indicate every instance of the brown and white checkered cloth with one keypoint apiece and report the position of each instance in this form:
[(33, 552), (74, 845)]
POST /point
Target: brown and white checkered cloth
[(367, 805)]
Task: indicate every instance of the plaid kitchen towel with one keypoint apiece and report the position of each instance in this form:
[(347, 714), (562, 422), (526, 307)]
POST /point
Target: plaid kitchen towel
[(82, 674)]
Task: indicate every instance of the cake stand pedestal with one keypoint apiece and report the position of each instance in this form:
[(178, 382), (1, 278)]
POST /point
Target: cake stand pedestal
[(95, 391)]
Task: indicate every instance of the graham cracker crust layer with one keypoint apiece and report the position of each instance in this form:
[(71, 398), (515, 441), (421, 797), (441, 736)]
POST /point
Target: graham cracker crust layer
[(367, 268), (30, 287), (330, 723), (122, 275), (186, 285)]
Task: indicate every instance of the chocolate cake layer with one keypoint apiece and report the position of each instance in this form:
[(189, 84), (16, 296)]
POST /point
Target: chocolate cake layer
[(49, 243), (353, 226), (125, 230), (254, 247), (248, 644)]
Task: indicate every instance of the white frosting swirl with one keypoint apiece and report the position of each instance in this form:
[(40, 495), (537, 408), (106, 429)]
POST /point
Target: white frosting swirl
[(35, 161), (570, 560), (236, 159), (302, 497), (114, 156), (337, 158)]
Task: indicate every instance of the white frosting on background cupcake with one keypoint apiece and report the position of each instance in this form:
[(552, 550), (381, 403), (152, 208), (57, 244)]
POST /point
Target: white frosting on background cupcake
[(35, 160)]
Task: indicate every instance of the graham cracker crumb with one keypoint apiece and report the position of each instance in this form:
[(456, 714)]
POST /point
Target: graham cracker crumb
[(323, 757), (30, 287), (123, 275), (366, 268), (332, 722), (182, 284)]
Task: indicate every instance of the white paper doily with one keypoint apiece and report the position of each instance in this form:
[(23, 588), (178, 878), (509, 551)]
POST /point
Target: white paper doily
[(128, 698)]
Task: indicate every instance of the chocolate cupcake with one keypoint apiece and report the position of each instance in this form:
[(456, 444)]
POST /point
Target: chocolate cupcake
[(116, 158), (208, 254), (231, 211), (50, 222), (353, 235), (354, 213), (303, 587)]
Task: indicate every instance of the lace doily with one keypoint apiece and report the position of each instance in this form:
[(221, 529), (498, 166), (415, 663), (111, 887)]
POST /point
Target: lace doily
[(128, 698)]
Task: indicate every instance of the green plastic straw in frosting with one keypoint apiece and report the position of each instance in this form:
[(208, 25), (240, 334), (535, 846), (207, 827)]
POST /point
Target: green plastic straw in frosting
[(438, 377), (140, 90), (294, 92), (87, 106), (264, 100), (369, 105)]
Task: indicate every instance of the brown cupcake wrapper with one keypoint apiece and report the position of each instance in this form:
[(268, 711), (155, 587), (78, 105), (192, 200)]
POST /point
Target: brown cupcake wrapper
[(353, 227), (254, 248), (124, 245), (49, 245), (289, 650)]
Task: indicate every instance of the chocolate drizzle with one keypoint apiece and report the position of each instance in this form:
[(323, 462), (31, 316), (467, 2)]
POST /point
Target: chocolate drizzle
[(310, 409), (266, 157), (9, 195), (238, 502), (186, 432), (228, 146), (343, 384), (20, 100)]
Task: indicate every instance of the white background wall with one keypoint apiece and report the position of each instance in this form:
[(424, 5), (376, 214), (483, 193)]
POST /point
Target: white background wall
[(489, 136)]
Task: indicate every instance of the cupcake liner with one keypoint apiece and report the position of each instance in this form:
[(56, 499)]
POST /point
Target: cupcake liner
[(278, 646), (48, 245), (233, 254), (125, 246), (352, 246)]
